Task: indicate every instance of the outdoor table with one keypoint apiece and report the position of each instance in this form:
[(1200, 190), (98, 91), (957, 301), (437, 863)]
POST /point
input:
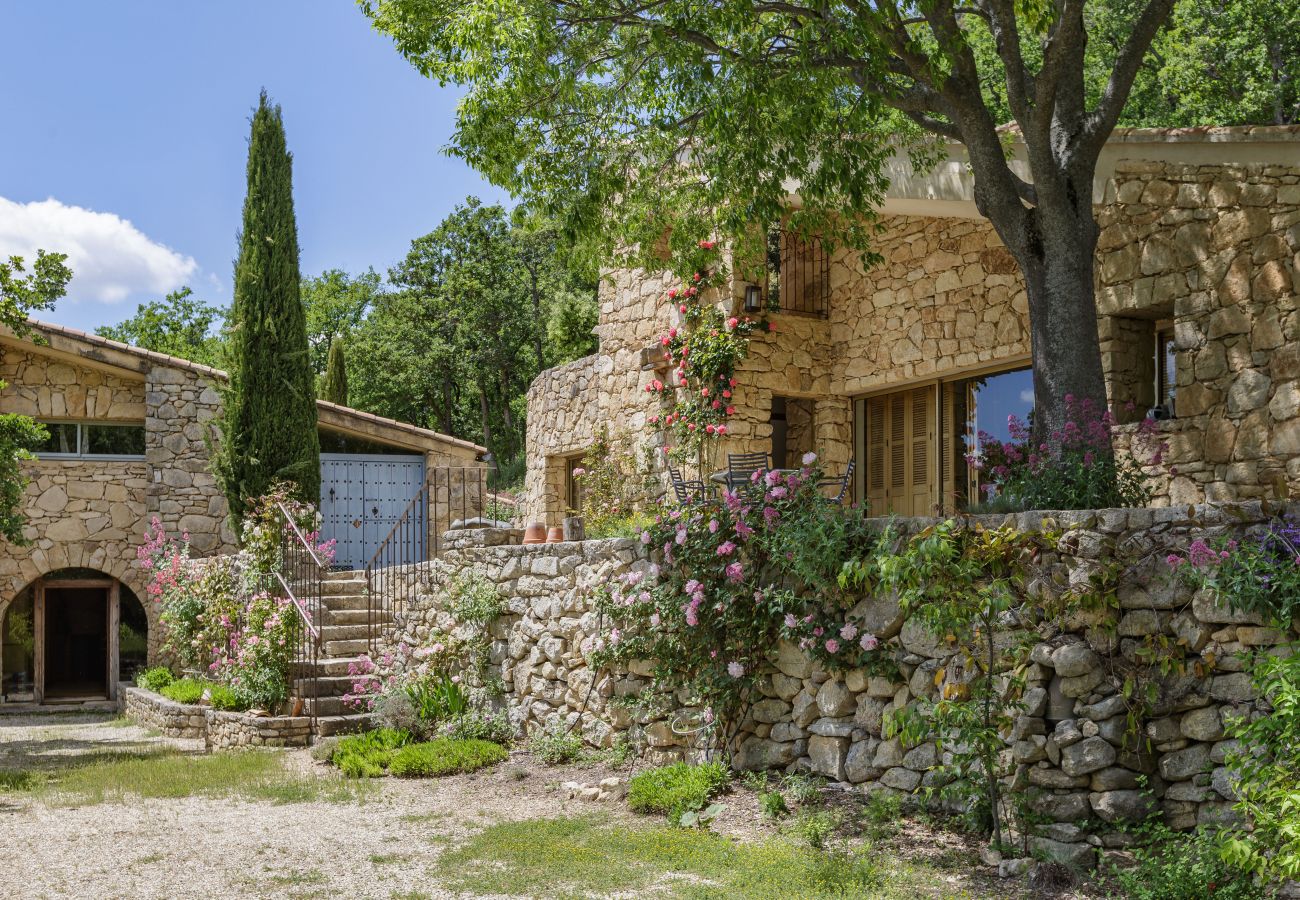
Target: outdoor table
[(721, 477)]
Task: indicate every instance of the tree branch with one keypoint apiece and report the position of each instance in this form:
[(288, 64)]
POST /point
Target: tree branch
[(1102, 121)]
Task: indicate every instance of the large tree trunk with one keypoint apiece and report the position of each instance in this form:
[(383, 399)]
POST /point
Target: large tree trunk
[(1058, 270)]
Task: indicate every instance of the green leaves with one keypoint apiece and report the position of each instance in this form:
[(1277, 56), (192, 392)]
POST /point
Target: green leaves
[(21, 294)]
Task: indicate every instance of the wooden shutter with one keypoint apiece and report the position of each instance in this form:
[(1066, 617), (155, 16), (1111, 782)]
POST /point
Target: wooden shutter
[(901, 461)]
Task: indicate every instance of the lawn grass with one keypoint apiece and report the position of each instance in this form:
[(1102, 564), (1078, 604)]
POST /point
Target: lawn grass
[(589, 856), (119, 777)]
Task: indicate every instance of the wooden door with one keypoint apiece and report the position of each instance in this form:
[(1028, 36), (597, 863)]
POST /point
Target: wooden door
[(901, 464)]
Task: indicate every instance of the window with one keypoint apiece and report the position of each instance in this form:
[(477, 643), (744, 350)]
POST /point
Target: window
[(93, 440), (915, 444), (572, 484), (1166, 379), (798, 274), (792, 422)]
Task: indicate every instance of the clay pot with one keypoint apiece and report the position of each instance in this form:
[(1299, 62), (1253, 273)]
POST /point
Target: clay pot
[(535, 533), (555, 535)]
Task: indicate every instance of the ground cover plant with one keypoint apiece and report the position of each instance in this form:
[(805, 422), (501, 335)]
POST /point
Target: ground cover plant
[(677, 789), (590, 856), (163, 774), (445, 756)]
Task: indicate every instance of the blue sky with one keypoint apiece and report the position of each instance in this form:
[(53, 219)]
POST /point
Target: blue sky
[(132, 118)]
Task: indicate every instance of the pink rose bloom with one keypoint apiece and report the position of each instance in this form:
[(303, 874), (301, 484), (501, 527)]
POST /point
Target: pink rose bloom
[(790, 620), (713, 526), (832, 646), (849, 631), (869, 642), (735, 669), (735, 571), (654, 619), (726, 548), (809, 458)]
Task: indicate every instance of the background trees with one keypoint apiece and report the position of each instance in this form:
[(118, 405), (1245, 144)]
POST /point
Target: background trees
[(179, 325), (268, 417), (20, 294), (591, 109)]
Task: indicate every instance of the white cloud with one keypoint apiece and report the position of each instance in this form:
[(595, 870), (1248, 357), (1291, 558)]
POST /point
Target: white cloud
[(110, 258), (1027, 395)]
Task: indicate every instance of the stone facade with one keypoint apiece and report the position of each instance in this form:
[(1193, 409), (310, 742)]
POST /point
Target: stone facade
[(91, 513), (1205, 235), (1077, 762)]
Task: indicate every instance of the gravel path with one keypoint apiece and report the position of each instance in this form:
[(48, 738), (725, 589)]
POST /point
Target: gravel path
[(382, 847)]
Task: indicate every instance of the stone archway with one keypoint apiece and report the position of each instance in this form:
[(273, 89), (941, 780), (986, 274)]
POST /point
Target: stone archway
[(62, 637)]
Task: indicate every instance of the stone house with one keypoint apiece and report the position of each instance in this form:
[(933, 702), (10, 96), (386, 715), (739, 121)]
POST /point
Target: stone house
[(129, 441), (898, 367)]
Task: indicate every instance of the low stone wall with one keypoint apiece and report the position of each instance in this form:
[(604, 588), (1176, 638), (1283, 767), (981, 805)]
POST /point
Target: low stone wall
[(1085, 758), (176, 720), (218, 729), (241, 731)]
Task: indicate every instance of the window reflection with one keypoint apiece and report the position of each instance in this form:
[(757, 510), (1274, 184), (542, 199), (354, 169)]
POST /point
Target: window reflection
[(978, 409)]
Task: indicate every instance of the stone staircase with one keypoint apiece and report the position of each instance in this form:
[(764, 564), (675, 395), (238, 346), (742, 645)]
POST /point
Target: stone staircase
[(344, 638)]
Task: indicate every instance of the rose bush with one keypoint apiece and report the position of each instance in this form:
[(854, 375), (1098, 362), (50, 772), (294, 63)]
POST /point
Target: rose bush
[(730, 579)]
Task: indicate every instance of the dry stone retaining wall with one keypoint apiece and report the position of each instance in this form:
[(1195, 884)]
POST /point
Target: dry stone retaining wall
[(1078, 764), (176, 720)]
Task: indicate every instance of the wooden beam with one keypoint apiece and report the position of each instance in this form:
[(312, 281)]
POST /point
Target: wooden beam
[(114, 616)]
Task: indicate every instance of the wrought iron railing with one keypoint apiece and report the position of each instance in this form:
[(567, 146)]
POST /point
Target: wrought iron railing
[(299, 579), (452, 497)]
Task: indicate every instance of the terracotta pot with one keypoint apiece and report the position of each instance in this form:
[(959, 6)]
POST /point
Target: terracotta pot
[(555, 535), (297, 707), (535, 533)]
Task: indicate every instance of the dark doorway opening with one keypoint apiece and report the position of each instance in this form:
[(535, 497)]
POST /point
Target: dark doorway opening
[(76, 643)]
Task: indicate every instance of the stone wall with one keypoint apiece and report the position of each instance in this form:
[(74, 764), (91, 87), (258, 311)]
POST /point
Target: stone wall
[(242, 731), (1078, 764), (175, 720), (183, 493), (44, 387), (1216, 249)]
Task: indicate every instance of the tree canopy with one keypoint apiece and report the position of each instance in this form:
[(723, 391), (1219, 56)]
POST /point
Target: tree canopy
[(179, 325), (629, 120)]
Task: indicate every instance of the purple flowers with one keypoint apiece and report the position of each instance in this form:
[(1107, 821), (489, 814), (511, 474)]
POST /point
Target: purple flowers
[(726, 548), (735, 572)]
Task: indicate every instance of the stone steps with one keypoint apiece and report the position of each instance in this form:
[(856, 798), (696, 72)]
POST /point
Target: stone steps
[(349, 647), (327, 726), (345, 635), (331, 633)]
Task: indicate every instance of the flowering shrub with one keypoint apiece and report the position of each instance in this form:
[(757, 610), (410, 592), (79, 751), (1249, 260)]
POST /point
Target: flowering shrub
[(217, 616), (703, 351), (263, 527), (1082, 472), (1260, 574), (731, 578)]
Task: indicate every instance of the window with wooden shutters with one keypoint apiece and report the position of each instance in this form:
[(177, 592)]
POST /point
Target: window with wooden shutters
[(900, 453)]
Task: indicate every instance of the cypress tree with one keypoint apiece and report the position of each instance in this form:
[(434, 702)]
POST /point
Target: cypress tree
[(268, 420), (335, 386)]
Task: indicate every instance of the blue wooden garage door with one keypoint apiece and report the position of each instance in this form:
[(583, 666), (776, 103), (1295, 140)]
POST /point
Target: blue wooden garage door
[(362, 496)]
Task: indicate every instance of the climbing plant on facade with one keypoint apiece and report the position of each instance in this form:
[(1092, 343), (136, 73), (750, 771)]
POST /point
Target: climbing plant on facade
[(703, 352)]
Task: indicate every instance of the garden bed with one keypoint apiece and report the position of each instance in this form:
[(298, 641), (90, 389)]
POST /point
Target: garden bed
[(218, 729)]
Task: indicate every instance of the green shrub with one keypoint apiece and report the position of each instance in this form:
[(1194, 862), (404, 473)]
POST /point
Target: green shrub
[(369, 754), (677, 788), (555, 746), (772, 803), (222, 697), (154, 679), (817, 826), (479, 725), (323, 749), (445, 756), (803, 789), (187, 690), (1173, 866)]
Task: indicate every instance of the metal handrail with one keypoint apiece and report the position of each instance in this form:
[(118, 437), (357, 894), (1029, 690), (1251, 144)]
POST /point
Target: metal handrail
[(401, 520), (302, 610), (306, 545)]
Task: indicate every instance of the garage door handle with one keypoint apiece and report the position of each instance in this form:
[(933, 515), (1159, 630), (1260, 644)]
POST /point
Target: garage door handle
[(374, 510), (331, 495)]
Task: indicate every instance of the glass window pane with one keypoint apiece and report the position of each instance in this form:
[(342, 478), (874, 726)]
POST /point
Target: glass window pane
[(115, 440), (62, 439), (999, 396)]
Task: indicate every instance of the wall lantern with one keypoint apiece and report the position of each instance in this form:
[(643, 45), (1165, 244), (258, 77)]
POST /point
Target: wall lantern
[(753, 298)]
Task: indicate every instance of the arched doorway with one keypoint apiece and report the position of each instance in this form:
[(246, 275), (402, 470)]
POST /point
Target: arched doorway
[(69, 637)]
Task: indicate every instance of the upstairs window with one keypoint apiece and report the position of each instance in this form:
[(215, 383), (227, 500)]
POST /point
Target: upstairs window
[(798, 274), (92, 440)]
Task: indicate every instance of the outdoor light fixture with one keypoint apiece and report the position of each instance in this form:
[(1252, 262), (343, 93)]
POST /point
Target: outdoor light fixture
[(753, 298)]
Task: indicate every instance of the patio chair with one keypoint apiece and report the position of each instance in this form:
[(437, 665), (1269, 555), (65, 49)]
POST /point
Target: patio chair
[(687, 492), (843, 483), (741, 468)]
